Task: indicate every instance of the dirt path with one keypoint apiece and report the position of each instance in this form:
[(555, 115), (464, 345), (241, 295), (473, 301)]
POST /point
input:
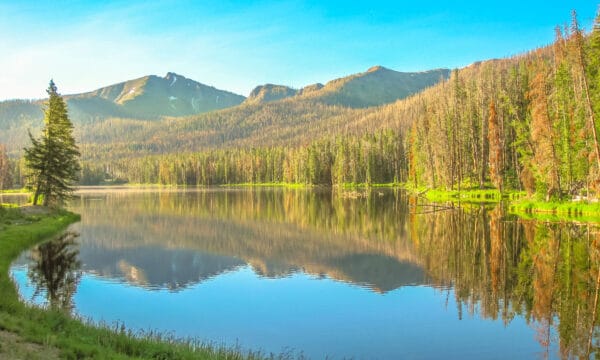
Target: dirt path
[(13, 347)]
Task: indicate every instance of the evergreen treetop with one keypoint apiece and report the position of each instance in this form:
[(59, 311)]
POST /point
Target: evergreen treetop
[(53, 159)]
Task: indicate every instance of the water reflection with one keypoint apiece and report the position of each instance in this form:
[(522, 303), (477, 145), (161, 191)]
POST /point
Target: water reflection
[(495, 266), (173, 240), (54, 270), (502, 267)]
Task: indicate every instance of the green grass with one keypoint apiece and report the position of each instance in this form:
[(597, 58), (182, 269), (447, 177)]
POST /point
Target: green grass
[(138, 185), (15, 191), (372, 185), (73, 338), (270, 184), (518, 203), (485, 196), (467, 195), (553, 210)]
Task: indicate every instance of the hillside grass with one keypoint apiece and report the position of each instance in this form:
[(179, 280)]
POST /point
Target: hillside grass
[(49, 330)]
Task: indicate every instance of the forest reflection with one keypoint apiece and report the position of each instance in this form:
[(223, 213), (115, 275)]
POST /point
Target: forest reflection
[(498, 266), (501, 267), (54, 270), (175, 239)]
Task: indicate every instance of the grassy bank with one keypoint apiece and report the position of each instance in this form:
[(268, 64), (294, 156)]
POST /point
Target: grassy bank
[(50, 330), (517, 203), (568, 210), (14, 191), (466, 195), (281, 184)]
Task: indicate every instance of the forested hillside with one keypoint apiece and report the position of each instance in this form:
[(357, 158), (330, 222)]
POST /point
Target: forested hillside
[(527, 122), (151, 97), (376, 86), (524, 123), (130, 119), (148, 99)]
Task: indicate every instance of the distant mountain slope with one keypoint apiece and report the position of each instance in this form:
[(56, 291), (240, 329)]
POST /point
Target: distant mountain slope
[(152, 97), (376, 86), (310, 89), (269, 92), (149, 97), (111, 121), (17, 113)]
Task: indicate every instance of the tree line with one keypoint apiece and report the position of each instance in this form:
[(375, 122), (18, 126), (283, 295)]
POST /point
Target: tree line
[(526, 123), (371, 158)]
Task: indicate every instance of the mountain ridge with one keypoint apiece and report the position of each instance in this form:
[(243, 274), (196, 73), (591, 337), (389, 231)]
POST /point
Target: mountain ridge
[(269, 92), (152, 97), (156, 110)]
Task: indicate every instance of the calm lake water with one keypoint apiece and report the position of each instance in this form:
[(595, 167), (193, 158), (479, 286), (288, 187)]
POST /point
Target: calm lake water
[(380, 276)]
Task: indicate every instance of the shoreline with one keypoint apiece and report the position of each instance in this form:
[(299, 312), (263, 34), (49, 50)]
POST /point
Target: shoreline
[(517, 202), (36, 332)]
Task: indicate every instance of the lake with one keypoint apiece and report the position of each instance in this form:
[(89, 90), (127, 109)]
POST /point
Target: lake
[(365, 275)]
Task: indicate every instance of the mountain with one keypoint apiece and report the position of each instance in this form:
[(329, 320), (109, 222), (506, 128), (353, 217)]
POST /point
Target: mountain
[(269, 92), (19, 113), (111, 122), (376, 86), (310, 89), (151, 97), (148, 97)]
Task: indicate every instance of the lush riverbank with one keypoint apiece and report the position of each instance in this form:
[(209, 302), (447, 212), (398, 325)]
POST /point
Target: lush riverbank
[(553, 210), (517, 203), (30, 332)]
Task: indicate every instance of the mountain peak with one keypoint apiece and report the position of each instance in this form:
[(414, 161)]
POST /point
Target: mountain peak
[(172, 78), (269, 92), (376, 68), (171, 75), (151, 97), (377, 86)]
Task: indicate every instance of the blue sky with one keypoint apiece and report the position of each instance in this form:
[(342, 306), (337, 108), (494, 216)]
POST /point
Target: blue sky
[(236, 45)]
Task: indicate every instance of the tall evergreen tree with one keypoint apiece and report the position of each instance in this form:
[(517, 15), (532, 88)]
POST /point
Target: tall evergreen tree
[(53, 159)]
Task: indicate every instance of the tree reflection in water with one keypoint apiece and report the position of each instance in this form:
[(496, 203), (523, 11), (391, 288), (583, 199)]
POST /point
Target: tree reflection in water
[(55, 270), (502, 266), (498, 266)]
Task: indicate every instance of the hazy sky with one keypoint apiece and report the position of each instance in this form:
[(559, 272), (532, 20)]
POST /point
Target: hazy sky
[(236, 45)]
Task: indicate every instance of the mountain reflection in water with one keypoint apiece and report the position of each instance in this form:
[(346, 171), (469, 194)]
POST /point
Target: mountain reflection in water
[(495, 266), (173, 240)]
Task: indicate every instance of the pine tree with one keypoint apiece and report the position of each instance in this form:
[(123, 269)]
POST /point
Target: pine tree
[(53, 159)]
